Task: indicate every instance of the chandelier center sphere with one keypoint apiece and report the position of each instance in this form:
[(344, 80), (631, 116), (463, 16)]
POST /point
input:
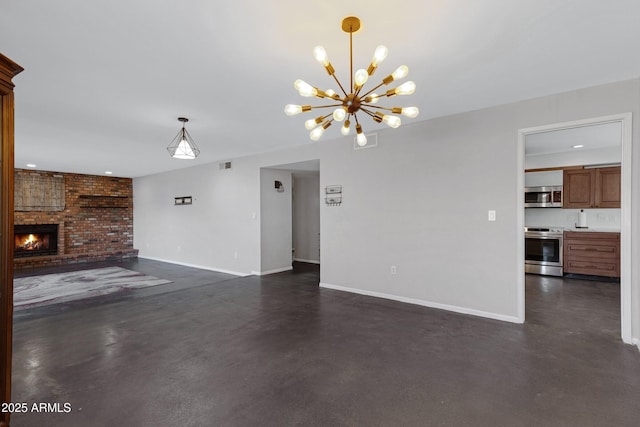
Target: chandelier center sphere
[(352, 103)]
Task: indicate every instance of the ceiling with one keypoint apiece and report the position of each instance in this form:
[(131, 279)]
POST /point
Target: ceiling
[(590, 137), (105, 81)]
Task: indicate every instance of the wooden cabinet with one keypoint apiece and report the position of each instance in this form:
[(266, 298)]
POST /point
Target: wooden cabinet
[(608, 190), (8, 69), (592, 253), (578, 188), (591, 188)]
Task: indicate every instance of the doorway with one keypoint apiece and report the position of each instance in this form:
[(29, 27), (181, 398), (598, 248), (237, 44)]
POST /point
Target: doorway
[(305, 227), (290, 217), (625, 126)]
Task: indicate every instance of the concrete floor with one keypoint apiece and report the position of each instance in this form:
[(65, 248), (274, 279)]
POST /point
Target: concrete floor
[(212, 349)]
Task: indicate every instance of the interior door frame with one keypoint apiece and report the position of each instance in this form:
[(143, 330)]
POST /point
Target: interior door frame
[(626, 279)]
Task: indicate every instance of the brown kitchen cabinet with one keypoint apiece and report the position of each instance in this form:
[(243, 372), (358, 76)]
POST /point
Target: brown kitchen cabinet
[(591, 188), (591, 253)]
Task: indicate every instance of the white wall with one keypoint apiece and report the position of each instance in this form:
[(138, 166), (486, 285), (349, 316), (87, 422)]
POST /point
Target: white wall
[(222, 221), (419, 201), (306, 218), (275, 222)]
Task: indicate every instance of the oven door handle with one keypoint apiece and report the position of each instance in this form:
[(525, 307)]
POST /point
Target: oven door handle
[(534, 235)]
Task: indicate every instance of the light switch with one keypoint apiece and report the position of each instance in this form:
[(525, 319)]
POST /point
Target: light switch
[(492, 215)]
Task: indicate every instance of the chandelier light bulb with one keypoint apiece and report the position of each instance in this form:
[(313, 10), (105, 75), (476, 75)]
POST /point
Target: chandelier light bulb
[(310, 124), (331, 93), (339, 114), (372, 99), (321, 55), (410, 112), (379, 55), (400, 73), (345, 128), (361, 139), (361, 78), (317, 133), (391, 121), (292, 109), (304, 88), (405, 89)]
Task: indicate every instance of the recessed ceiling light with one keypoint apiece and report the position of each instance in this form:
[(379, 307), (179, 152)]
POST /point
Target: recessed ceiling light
[(577, 146), (108, 172), (31, 165)]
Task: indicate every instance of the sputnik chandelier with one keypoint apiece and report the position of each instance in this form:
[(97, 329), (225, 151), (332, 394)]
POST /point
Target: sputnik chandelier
[(353, 101)]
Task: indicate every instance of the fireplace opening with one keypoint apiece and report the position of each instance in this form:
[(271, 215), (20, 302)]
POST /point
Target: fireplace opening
[(35, 240)]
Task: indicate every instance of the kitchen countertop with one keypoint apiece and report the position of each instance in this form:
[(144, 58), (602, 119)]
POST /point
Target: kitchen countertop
[(595, 229)]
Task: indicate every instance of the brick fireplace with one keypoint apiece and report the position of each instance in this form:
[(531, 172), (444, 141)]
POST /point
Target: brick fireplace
[(92, 215)]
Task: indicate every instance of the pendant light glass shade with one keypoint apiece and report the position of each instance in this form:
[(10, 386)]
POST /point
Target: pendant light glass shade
[(183, 146)]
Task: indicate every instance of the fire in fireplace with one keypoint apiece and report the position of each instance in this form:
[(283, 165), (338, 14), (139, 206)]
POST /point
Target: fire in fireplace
[(35, 240)]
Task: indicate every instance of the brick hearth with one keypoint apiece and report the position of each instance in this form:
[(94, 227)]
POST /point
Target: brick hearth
[(95, 224)]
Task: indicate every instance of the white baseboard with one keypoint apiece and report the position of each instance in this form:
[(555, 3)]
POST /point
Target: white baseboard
[(201, 267), (309, 261), (636, 342), (277, 270), (429, 304)]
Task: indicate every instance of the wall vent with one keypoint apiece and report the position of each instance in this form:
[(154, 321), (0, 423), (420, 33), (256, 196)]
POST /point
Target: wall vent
[(225, 165), (372, 142)]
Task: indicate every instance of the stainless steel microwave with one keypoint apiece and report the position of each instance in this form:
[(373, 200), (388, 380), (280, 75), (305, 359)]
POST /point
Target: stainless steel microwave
[(543, 197)]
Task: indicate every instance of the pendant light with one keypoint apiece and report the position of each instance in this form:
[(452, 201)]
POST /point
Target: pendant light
[(183, 146)]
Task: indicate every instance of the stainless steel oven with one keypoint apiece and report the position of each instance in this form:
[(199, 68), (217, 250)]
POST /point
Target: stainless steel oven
[(543, 250)]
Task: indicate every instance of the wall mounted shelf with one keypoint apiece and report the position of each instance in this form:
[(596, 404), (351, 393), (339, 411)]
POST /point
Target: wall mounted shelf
[(87, 201), (184, 200)]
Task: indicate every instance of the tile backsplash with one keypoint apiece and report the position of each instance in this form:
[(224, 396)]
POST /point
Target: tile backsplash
[(567, 218)]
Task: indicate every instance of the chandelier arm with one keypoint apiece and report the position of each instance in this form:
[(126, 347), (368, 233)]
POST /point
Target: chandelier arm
[(350, 60), (355, 116), (326, 106), (368, 112), (372, 90), (378, 107), (339, 84)]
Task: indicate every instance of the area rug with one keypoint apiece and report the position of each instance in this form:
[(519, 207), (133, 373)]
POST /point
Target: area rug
[(49, 289)]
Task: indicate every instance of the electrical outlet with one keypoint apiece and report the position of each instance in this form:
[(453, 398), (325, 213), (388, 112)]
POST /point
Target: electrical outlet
[(492, 215), (393, 269)]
